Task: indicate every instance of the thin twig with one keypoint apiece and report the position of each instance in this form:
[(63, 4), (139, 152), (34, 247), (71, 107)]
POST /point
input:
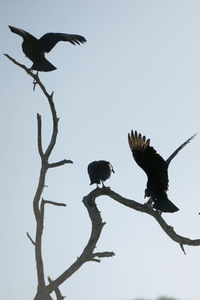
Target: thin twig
[(30, 238), (182, 248), (54, 203), (39, 123), (60, 163), (103, 254), (34, 76)]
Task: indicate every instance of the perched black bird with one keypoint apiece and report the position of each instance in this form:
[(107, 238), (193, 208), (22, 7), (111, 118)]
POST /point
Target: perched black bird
[(35, 49), (99, 171), (156, 169)]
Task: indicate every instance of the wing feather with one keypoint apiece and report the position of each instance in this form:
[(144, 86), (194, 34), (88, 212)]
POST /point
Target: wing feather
[(24, 34), (49, 40), (178, 149), (149, 160)]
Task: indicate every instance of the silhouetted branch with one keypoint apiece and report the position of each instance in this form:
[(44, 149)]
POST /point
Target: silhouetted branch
[(145, 208), (39, 122), (30, 72), (55, 126), (37, 206), (95, 260), (182, 248), (53, 203), (87, 254), (30, 238), (21, 66), (57, 291), (103, 254), (50, 100), (60, 163)]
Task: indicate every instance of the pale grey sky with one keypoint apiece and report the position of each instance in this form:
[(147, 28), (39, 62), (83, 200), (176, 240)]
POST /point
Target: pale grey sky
[(138, 70)]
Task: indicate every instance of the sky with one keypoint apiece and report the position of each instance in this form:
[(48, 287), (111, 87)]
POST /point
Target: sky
[(140, 70)]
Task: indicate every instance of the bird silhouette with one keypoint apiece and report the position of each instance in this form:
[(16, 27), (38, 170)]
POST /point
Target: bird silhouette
[(99, 171), (35, 49), (156, 169)]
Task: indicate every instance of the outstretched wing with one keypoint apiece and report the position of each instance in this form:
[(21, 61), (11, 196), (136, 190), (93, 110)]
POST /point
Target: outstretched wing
[(149, 160), (49, 40), (178, 149), (24, 34)]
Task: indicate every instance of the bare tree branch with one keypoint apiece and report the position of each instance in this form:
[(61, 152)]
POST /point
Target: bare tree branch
[(60, 163), (95, 260), (50, 101), (37, 207), (97, 226), (20, 65), (87, 254), (57, 291), (182, 248), (103, 254), (30, 238), (55, 126), (39, 123), (39, 229), (145, 208), (30, 72), (53, 203)]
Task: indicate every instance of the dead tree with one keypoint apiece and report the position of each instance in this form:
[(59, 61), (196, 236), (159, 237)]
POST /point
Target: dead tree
[(45, 289)]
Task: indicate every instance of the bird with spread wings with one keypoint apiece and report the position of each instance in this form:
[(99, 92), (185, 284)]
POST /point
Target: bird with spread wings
[(156, 169), (35, 49)]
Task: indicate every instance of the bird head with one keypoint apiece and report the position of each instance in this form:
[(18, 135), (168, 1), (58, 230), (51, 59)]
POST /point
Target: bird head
[(111, 168)]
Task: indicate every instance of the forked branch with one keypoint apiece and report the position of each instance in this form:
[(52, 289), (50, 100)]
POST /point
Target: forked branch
[(44, 290), (88, 253), (57, 291), (38, 205)]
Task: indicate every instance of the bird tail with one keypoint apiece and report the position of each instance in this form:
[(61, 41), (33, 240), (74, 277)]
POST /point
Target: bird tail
[(165, 205), (178, 149), (43, 65)]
